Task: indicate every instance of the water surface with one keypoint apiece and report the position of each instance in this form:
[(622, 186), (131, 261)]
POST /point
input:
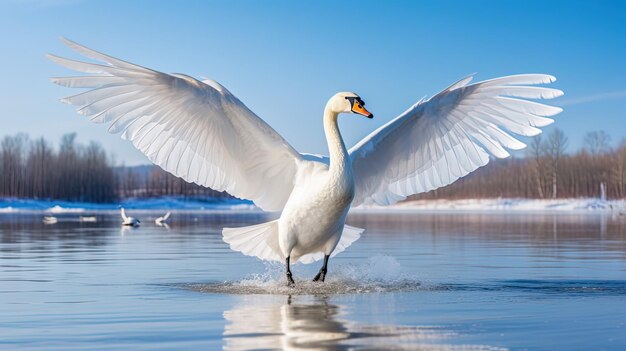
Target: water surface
[(414, 281)]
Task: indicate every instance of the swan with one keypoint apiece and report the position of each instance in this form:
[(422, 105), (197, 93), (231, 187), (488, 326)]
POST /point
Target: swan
[(50, 220), (87, 219), (201, 132), (162, 220), (129, 221)]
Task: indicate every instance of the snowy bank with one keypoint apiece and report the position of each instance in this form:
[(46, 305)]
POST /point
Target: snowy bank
[(580, 204), (14, 205)]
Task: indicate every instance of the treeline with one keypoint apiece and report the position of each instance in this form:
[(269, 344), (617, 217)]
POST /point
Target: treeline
[(75, 172), (34, 169), (546, 171), (152, 181)]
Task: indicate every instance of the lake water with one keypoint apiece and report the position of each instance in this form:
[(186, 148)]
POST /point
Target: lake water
[(414, 281)]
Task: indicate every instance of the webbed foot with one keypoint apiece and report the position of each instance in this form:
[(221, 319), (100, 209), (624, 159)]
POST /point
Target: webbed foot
[(321, 275), (290, 282)]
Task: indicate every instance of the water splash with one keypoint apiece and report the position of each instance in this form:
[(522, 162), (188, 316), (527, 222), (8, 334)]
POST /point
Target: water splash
[(378, 274)]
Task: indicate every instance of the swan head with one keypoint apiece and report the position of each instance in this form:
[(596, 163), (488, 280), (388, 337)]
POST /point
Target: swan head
[(347, 102)]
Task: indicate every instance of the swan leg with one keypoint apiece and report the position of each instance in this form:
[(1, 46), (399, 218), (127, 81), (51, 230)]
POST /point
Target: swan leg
[(322, 273), (290, 281)]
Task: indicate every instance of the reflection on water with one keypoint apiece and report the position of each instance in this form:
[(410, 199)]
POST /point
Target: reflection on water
[(289, 326), (289, 323), (426, 281)]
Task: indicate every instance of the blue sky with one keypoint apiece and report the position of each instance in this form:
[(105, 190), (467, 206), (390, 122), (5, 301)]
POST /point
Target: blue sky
[(285, 59)]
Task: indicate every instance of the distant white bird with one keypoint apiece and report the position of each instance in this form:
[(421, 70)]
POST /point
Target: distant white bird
[(87, 219), (162, 220), (50, 219), (129, 221), (201, 132)]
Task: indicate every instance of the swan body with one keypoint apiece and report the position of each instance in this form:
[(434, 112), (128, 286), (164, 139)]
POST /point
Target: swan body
[(87, 219), (201, 132), (127, 220), (315, 213), (161, 221), (50, 220)]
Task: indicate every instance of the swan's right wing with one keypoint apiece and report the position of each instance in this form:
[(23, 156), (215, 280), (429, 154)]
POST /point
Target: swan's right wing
[(195, 130)]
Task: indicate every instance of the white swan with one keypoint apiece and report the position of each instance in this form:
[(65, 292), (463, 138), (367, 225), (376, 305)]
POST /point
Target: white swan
[(201, 132), (50, 220), (129, 221), (90, 219), (161, 221)]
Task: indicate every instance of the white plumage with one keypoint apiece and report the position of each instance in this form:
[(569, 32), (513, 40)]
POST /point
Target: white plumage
[(162, 221), (50, 220), (261, 241), (439, 140), (127, 220), (199, 131), (87, 218)]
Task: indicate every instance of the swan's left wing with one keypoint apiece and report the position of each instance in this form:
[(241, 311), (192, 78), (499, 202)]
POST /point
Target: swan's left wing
[(439, 140)]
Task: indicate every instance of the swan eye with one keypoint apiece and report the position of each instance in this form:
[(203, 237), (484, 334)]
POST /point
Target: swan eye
[(355, 101)]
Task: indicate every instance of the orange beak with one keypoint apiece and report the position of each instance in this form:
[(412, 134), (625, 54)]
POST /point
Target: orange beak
[(356, 108)]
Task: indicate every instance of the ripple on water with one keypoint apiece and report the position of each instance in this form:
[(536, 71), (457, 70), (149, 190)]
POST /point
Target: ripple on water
[(377, 274)]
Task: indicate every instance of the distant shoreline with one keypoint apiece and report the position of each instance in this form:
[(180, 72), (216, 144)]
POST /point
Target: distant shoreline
[(16, 205), (508, 204)]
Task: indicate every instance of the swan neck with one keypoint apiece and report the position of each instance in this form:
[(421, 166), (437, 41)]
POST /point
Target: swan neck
[(337, 149)]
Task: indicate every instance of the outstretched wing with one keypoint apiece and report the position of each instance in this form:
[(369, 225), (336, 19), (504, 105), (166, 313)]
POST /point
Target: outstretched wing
[(195, 130), (439, 140)]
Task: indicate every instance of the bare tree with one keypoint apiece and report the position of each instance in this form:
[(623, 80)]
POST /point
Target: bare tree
[(618, 170), (557, 143), (39, 169), (536, 151), (13, 159), (598, 142)]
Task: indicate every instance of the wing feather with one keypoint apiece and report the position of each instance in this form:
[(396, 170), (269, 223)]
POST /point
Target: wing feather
[(437, 141), (196, 130)]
